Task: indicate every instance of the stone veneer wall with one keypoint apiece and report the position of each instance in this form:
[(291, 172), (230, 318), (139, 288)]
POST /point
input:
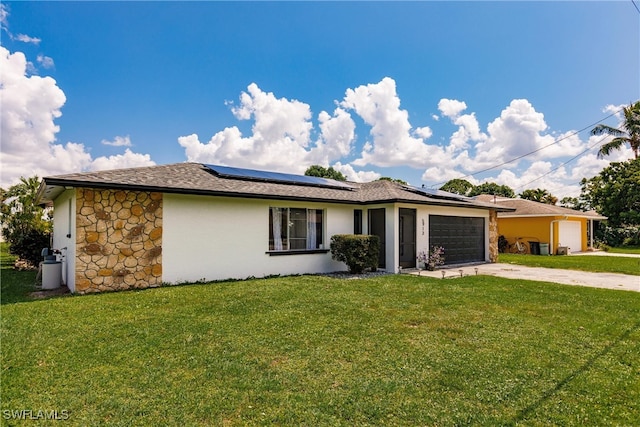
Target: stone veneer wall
[(118, 240), (493, 236)]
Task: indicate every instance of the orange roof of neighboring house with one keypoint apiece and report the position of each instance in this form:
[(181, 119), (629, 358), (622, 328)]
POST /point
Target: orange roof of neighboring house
[(529, 208)]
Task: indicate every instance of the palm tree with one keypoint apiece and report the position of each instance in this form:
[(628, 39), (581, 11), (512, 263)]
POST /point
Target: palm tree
[(629, 133), (539, 195)]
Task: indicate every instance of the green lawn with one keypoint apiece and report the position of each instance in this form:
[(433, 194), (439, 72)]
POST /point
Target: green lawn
[(604, 264), (14, 285), (626, 250), (395, 350)]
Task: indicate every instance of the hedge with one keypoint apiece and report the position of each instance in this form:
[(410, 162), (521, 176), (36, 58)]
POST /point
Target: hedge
[(358, 251)]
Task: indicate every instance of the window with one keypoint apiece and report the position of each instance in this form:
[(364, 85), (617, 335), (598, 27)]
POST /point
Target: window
[(295, 229), (357, 221)]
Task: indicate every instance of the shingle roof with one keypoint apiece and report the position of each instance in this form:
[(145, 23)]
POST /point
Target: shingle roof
[(525, 207), (195, 178)]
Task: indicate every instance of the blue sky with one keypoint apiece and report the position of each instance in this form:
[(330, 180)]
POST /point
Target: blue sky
[(422, 91)]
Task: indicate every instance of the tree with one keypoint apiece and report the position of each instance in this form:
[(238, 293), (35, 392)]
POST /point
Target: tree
[(458, 186), (615, 193), (386, 178), (25, 225), (629, 132), (539, 195), (574, 203), (493, 189), (322, 172)]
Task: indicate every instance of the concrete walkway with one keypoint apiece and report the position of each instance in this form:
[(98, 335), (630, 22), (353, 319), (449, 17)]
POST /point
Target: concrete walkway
[(567, 277)]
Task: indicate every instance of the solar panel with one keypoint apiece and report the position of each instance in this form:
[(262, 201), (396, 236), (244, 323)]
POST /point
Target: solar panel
[(285, 178), (438, 194)]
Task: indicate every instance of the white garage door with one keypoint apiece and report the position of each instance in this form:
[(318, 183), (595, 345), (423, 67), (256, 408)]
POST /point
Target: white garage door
[(569, 234)]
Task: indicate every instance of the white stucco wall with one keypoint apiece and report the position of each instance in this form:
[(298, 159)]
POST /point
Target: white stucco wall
[(64, 234), (215, 238)]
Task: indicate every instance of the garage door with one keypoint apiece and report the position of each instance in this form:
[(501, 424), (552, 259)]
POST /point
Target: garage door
[(569, 234), (462, 238)]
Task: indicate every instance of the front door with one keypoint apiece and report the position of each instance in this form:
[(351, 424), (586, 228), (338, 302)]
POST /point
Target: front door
[(377, 227), (407, 238)]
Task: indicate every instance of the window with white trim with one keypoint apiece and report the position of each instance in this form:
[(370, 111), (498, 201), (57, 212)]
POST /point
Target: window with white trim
[(295, 229)]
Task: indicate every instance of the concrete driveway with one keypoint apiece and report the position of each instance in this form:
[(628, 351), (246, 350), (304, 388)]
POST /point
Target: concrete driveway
[(568, 277)]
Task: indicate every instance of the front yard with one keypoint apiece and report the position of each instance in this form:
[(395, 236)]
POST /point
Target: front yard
[(308, 350), (594, 263)]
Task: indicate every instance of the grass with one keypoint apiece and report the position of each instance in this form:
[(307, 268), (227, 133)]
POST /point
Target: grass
[(626, 250), (14, 285), (603, 264), (396, 350)]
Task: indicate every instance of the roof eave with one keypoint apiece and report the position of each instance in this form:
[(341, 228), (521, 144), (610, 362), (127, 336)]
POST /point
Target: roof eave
[(65, 183), (597, 217)]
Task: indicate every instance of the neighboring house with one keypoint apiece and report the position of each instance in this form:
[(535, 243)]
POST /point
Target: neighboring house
[(544, 223), (140, 227)]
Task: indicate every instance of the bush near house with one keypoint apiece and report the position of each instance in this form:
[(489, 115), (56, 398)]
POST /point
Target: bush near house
[(357, 251), (26, 226)]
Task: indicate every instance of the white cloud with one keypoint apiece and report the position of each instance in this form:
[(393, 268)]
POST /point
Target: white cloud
[(540, 174), (118, 141), (514, 133), (424, 132), (281, 136), (4, 14), (45, 61), (440, 174), (469, 128), (30, 105), (360, 176), (451, 107), (337, 134), (392, 144), (27, 39), (4, 25), (617, 109), (121, 161), (519, 131)]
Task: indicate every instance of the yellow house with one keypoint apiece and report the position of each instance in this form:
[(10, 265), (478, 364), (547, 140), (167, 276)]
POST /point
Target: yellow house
[(546, 224)]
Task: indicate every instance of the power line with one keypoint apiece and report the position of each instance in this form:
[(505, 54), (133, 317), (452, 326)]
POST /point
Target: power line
[(635, 5), (534, 151), (562, 164)]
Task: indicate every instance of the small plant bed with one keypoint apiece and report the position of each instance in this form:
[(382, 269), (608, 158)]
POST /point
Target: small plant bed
[(314, 350), (597, 264)]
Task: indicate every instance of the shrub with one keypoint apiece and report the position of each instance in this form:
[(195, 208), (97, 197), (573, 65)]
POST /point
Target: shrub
[(618, 236), (356, 250), (26, 226), (503, 244), (28, 246)]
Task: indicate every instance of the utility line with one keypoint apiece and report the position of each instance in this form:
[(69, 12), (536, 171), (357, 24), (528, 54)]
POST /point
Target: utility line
[(532, 152), (562, 164), (635, 5)]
